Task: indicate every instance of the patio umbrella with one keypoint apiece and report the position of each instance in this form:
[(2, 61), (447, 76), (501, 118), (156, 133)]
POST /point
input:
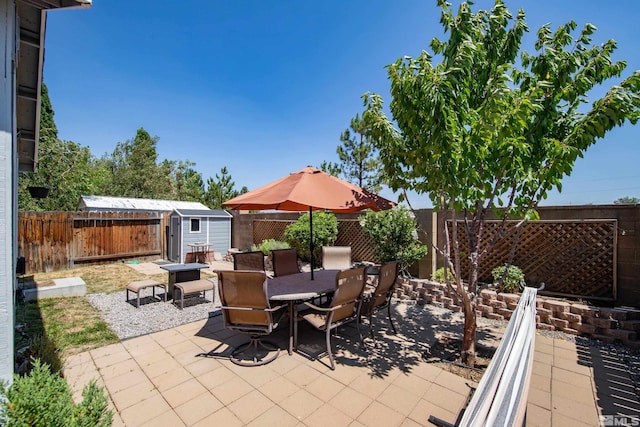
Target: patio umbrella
[(310, 189)]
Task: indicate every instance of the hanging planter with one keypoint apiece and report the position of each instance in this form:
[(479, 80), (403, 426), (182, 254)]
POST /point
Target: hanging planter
[(38, 192)]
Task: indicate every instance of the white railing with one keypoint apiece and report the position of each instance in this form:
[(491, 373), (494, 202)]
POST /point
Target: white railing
[(501, 396)]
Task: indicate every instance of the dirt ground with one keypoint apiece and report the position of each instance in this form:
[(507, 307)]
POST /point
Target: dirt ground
[(445, 354)]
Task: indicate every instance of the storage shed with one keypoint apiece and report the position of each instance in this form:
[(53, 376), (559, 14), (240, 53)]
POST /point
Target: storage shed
[(194, 232)]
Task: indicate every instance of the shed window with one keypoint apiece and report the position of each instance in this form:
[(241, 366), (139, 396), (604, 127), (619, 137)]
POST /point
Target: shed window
[(195, 225)]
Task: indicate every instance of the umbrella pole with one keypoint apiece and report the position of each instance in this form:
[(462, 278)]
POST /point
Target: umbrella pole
[(311, 238)]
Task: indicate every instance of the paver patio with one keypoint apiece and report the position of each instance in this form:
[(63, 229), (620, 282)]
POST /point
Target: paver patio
[(159, 380)]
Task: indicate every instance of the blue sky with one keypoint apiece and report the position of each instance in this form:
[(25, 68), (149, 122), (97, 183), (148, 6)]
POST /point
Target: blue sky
[(266, 87)]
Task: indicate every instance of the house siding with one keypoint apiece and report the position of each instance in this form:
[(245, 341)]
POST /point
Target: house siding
[(8, 188)]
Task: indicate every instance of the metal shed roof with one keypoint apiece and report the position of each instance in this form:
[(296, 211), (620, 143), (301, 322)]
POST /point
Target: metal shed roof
[(103, 203), (203, 213)]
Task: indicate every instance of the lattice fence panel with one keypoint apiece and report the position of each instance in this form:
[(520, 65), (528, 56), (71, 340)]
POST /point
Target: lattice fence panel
[(349, 234), (574, 258), (264, 229)]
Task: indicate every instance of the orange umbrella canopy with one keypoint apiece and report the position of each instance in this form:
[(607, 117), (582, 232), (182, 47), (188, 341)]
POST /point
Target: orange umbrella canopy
[(310, 189)]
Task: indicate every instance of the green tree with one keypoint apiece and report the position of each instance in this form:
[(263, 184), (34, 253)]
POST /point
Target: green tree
[(65, 167), (325, 233), (359, 163), (134, 169), (627, 199), (221, 189), (185, 183), (394, 234), (331, 168), (486, 131)]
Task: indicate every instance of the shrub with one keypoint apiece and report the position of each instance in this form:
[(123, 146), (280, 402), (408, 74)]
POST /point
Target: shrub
[(42, 398), (325, 232), (438, 276), (508, 278), (394, 236), (268, 245)]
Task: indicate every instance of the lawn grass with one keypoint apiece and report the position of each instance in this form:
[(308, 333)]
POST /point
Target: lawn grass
[(107, 278), (61, 327), (67, 326)]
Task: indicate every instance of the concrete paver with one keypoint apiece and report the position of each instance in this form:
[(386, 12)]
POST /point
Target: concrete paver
[(159, 379)]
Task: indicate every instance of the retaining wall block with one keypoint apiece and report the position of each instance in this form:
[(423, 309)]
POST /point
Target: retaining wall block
[(497, 304), (632, 312), (544, 312), (571, 317), (584, 310), (570, 331), (487, 294), (613, 313), (437, 304), (631, 325), (622, 334), (495, 316), (512, 305), (505, 312), (545, 327), (603, 323), (584, 328), (509, 298), (540, 302), (558, 323), (544, 318), (557, 306), (484, 308), (413, 295)]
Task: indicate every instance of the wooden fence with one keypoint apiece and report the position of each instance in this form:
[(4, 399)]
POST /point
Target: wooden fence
[(571, 249), (51, 241)]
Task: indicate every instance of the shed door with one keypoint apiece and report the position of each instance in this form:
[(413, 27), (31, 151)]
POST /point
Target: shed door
[(174, 239)]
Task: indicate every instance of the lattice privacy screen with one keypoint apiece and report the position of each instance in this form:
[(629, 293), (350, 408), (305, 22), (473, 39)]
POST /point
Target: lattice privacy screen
[(574, 258)]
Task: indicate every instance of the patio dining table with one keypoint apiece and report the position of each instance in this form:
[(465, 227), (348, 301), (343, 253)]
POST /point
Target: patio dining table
[(296, 288)]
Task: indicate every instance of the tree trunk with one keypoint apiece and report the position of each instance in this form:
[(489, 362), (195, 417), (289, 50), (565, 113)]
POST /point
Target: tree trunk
[(469, 339)]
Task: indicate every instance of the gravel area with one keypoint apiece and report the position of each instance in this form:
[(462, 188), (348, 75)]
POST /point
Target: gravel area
[(127, 321)]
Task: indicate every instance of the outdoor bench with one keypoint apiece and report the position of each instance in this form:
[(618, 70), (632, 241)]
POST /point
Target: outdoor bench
[(189, 288), (139, 285)]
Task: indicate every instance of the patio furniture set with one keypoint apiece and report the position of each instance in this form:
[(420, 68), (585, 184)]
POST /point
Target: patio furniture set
[(184, 280), (255, 303)]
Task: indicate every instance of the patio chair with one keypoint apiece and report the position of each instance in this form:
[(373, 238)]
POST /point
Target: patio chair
[(380, 297), (246, 309), (253, 261), (343, 308), (285, 261), (336, 257)]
